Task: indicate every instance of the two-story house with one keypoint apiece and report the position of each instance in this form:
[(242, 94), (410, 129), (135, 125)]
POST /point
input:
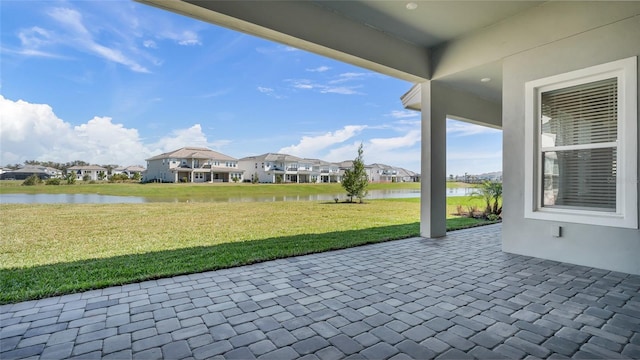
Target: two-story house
[(91, 172), (193, 164), (271, 168)]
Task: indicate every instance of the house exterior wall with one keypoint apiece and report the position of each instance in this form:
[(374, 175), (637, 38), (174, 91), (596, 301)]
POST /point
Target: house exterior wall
[(156, 170), (194, 170), (604, 247)]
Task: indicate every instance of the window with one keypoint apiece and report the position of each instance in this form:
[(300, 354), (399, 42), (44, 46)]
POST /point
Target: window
[(581, 138)]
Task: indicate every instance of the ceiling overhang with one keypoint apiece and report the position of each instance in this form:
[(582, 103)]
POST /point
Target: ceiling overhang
[(458, 43), (297, 24)]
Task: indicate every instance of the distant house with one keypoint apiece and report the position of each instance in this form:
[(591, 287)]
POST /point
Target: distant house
[(192, 164), (405, 175), (24, 172), (94, 172), (383, 173), (273, 168), (130, 171)]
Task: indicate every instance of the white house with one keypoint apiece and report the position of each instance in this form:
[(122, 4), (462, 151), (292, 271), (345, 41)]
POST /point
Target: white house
[(535, 69), (94, 172), (383, 173), (275, 168), (193, 164), (130, 171)]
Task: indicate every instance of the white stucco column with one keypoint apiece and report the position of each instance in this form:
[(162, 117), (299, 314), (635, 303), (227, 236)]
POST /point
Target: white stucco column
[(433, 203)]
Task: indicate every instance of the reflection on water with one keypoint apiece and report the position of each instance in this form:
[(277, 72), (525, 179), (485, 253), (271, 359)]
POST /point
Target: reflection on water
[(111, 199)]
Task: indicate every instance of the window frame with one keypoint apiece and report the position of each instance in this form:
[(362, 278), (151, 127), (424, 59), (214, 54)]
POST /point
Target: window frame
[(626, 213)]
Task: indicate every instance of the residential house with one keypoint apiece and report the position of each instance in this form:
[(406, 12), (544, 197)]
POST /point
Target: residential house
[(405, 175), (92, 172), (383, 173), (130, 171), (277, 168), (24, 172), (328, 172), (535, 69), (192, 164)]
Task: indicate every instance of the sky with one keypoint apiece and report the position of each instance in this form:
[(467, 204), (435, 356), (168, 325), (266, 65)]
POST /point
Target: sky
[(116, 82)]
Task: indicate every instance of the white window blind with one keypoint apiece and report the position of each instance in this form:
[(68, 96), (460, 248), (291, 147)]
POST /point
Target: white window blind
[(578, 144)]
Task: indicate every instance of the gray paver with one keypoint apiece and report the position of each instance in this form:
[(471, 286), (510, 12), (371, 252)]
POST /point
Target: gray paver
[(398, 300), (176, 350)]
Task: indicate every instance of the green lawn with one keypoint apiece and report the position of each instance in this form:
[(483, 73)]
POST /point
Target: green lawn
[(187, 191), (53, 249)]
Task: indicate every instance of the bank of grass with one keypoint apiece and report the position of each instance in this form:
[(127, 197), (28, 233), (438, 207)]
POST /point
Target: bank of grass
[(191, 191)]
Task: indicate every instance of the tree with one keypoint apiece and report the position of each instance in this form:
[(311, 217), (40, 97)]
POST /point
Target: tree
[(491, 193), (70, 177), (355, 179)]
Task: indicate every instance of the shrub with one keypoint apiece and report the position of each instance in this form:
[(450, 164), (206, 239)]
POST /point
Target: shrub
[(473, 211), (86, 178), (493, 217), (53, 181), (32, 180), (71, 178)]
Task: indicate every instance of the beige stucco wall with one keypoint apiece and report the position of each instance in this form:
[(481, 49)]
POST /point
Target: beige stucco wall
[(597, 246)]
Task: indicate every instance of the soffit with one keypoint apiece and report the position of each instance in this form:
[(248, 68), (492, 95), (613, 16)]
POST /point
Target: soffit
[(431, 22)]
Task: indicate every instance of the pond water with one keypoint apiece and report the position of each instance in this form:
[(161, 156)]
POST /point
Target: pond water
[(111, 199)]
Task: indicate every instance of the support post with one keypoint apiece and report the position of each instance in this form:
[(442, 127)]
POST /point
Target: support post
[(433, 203)]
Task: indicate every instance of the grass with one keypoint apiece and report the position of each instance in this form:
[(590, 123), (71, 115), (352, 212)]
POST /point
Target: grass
[(191, 191), (55, 249)]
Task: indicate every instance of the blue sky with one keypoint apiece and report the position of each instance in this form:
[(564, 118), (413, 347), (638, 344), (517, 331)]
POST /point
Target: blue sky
[(115, 82)]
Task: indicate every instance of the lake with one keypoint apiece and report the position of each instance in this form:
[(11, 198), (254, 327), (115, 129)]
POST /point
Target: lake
[(112, 199)]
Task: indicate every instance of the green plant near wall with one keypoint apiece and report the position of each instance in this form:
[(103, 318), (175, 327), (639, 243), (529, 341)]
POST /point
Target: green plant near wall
[(491, 193)]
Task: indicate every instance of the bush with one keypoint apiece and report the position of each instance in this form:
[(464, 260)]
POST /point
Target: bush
[(86, 178), (32, 180), (53, 181), (493, 217)]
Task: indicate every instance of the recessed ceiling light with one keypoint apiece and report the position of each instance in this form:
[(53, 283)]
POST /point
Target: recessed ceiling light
[(412, 6), (485, 79)]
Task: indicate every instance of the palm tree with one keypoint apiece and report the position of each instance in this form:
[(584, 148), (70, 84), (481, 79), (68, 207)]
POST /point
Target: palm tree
[(491, 193)]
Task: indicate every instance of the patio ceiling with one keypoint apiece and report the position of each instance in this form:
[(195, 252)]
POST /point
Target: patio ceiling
[(403, 39)]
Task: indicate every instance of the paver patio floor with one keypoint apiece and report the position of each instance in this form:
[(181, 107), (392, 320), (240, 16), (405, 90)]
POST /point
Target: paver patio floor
[(456, 297)]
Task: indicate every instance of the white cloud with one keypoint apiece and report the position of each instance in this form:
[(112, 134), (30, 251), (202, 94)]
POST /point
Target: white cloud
[(319, 69), (35, 37), (403, 114), (79, 36), (311, 146), (350, 76), (459, 128), (343, 90), (339, 145), (409, 139), (268, 50), (33, 132), (270, 92), (265, 90), (184, 37), (149, 44), (306, 84), (192, 136)]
